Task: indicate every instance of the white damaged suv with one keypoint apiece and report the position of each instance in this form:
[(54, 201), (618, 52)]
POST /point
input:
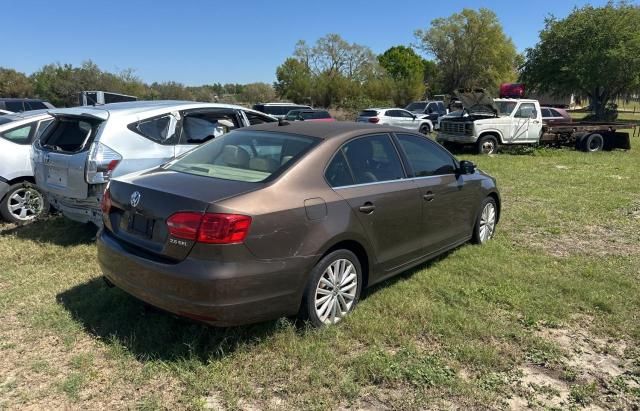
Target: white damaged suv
[(85, 146)]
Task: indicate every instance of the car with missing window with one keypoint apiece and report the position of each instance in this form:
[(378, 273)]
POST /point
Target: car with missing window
[(309, 115), (554, 115), (288, 219), (85, 146), (20, 199), (279, 110), (397, 117)]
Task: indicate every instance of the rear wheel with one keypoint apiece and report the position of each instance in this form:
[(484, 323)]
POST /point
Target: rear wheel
[(333, 289), (592, 143), (23, 202), (487, 145), (485, 225)]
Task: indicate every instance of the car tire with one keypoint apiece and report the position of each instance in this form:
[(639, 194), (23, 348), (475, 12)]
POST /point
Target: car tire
[(485, 226), (592, 143), (487, 145), (323, 303), (24, 202), (425, 129)]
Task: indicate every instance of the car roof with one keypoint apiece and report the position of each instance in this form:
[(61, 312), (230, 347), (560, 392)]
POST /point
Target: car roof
[(9, 99), (326, 130), (141, 106), (283, 104)]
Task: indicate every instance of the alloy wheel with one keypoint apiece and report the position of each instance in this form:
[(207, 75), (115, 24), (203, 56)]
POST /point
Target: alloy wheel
[(487, 222), (25, 204), (336, 291)]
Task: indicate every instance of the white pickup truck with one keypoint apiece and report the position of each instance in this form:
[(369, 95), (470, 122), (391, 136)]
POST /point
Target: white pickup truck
[(486, 123)]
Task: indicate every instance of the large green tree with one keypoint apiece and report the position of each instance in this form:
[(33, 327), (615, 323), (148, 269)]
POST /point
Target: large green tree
[(594, 51), (406, 69), (471, 50), (293, 81), (257, 92), (14, 84)]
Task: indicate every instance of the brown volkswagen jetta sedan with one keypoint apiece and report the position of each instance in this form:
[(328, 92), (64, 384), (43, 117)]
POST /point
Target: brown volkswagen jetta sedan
[(283, 219)]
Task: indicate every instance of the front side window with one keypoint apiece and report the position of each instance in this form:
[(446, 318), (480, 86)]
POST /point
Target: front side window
[(249, 156), (372, 159), (160, 129), (526, 110), (15, 106), (255, 118), (425, 157), (19, 135), (200, 127)]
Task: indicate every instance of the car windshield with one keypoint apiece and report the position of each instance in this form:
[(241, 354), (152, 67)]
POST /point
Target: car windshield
[(416, 106), (505, 108), (249, 156)]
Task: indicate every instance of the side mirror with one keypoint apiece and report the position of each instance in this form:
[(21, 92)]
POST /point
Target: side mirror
[(467, 167)]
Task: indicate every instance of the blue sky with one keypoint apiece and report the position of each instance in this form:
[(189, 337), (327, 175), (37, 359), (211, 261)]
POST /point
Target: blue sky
[(198, 42)]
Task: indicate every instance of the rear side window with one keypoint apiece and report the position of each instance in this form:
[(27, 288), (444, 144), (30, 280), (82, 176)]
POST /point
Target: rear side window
[(68, 134), (19, 135), (280, 110), (314, 115), (35, 105), (555, 113), (372, 159), (160, 129), (546, 112), (249, 156), (425, 157), (338, 173)]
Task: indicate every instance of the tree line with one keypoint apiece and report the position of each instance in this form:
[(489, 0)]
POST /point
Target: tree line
[(593, 52)]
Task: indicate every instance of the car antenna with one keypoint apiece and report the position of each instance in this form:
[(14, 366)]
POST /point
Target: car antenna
[(282, 122)]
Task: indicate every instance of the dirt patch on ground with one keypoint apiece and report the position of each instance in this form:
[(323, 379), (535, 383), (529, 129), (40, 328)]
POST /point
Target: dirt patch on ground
[(40, 370), (593, 374), (597, 241)]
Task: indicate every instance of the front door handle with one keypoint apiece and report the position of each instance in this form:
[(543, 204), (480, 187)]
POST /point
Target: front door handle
[(367, 208), (429, 196)]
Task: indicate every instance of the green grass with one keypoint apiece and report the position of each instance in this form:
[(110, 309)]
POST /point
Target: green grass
[(453, 332)]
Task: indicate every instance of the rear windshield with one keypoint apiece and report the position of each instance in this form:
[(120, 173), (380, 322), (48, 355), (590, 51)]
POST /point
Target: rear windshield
[(416, 107), (314, 115), (249, 156), (280, 110), (7, 119), (368, 113), (68, 134)]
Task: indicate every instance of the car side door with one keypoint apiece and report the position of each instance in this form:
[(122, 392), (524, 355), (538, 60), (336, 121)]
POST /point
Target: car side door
[(409, 120), (382, 199), (446, 196), (520, 123)]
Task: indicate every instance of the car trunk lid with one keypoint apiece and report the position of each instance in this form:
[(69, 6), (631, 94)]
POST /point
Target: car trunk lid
[(142, 203)]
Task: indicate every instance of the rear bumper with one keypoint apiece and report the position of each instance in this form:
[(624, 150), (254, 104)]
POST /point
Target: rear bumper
[(221, 293), (82, 211)]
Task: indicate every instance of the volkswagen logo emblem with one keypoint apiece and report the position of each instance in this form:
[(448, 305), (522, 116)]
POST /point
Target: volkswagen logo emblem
[(135, 199)]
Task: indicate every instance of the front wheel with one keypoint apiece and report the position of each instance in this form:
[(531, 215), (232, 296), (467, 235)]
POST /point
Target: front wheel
[(485, 226), (425, 129), (333, 289), (487, 145), (23, 202)]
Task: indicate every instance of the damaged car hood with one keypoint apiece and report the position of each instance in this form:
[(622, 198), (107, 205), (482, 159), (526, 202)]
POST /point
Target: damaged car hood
[(477, 101)]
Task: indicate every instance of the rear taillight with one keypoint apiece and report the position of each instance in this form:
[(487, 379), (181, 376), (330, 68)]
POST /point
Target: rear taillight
[(373, 120), (101, 162), (105, 204), (210, 228)]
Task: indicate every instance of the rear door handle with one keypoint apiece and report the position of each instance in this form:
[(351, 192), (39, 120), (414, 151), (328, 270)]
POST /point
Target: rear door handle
[(429, 196), (367, 208)]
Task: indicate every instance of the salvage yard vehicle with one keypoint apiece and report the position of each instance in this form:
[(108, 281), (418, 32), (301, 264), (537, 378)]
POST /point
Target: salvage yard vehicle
[(20, 199), (18, 105), (309, 115), (85, 146), (289, 218), (487, 123), (279, 110), (397, 117), (432, 110)]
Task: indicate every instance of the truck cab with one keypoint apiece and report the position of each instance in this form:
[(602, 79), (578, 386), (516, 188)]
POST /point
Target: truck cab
[(487, 122)]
